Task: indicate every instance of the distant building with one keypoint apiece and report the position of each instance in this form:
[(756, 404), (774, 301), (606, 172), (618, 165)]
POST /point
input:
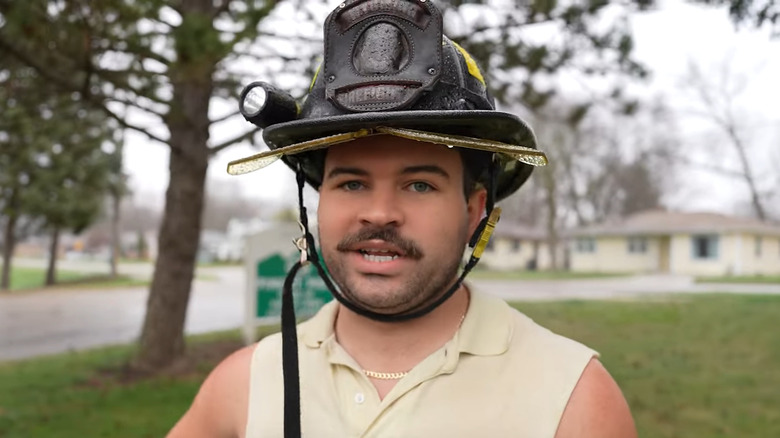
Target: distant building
[(702, 244), (517, 246), (232, 246)]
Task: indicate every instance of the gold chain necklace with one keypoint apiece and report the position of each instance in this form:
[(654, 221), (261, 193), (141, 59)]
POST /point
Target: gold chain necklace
[(402, 374), (385, 376)]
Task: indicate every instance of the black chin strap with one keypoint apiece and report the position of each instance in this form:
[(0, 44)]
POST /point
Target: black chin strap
[(292, 393)]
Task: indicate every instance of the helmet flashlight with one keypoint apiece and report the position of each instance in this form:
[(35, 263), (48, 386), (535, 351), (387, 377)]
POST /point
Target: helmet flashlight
[(264, 105)]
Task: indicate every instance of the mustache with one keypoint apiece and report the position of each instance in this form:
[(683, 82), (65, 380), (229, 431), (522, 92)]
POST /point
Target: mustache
[(387, 234)]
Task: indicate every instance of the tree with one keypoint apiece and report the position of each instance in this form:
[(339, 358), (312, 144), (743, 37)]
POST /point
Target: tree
[(225, 201), (528, 46), (52, 160), (73, 191), (755, 12), (155, 67), (117, 190), (716, 101), (603, 165)]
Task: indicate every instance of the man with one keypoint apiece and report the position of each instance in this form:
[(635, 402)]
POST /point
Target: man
[(402, 141)]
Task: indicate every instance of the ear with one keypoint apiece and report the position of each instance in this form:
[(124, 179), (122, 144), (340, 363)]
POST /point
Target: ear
[(475, 208)]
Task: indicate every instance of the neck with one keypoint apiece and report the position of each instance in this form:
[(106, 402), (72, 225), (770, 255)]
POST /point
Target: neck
[(399, 346)]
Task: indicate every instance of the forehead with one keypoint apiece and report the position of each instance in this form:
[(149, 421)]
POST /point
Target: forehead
[(387, 152)]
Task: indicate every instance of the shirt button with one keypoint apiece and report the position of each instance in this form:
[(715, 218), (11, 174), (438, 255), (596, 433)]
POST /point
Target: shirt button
[(360, 398)]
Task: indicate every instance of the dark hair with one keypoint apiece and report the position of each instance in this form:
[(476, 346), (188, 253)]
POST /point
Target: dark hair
[(475, 166)]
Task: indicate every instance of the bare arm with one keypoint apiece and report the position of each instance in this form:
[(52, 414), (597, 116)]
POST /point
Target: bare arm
[(220, 407), (597, 408)]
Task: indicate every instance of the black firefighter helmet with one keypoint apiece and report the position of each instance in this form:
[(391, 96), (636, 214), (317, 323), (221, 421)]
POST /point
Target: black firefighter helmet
[(388, 69)]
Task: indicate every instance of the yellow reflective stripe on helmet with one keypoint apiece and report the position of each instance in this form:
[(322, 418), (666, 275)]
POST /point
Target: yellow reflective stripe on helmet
[(472, 65)]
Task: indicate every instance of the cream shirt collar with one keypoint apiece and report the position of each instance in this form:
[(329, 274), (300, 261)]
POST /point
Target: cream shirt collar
[(486, 330)]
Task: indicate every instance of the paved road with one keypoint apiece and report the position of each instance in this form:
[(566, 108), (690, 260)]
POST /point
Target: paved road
[(640, 286), (56, 321), (50, 322)]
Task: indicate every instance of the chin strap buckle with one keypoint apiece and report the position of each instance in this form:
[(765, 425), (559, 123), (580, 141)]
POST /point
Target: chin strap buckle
[(484, 236), (302, 246)]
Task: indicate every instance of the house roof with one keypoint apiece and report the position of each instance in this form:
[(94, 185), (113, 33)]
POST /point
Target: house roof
[(517, 230), (654, 222)]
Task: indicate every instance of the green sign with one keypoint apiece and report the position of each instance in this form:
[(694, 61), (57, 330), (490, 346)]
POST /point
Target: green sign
[(309, 291)]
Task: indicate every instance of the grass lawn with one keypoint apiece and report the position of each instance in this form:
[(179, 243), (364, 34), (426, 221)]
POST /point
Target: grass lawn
[(691, 366), (759, 279), (32, 278), (538, 275)]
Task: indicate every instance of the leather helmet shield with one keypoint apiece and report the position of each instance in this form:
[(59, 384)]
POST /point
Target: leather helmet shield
[(381, 55)]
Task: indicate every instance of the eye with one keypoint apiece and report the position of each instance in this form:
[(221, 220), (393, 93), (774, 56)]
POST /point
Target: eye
[(420, 187), (352, 186)]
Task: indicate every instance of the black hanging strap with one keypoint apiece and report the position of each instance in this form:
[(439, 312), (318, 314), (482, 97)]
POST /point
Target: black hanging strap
[(290, 370), (292, 384)]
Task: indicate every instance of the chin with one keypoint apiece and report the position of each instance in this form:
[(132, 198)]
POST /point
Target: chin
[(381, 295)]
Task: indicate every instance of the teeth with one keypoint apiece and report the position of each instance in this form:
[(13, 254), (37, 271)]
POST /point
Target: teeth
[(379, 259)]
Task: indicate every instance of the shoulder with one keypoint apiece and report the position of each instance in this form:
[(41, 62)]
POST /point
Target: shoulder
[(596, 407), (551, 349), (220, 407)]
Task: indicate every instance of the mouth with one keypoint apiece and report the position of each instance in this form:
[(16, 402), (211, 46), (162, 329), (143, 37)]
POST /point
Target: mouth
[(379, 256)]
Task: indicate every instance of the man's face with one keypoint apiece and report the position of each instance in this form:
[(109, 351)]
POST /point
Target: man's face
[(393, 220)]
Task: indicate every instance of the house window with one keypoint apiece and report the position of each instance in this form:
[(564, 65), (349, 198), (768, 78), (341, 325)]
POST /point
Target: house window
[(637, 245), (758, 247), (704, 247), (516, 245), (586, 244)]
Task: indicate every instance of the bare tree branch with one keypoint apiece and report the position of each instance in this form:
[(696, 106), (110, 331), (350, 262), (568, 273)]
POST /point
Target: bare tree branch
[(225, 117), (721, 114), (139, 52), (708, 167), (246, 136), (135, 104), (120, 80), (67, 84), (297, 38)]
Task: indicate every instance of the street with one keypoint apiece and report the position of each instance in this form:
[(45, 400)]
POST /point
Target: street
[(55, 321)]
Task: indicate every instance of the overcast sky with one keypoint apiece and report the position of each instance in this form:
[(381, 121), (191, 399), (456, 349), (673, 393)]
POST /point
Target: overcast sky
[(665, 40)]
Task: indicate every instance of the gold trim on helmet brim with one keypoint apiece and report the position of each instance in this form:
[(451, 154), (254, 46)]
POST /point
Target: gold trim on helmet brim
[(522, 154)]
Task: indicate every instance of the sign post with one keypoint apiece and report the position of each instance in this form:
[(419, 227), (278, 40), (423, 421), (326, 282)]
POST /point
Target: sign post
[(309, 290), (267, 262)]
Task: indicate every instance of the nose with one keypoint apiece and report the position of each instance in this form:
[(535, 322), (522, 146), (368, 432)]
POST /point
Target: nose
[(382, 208)]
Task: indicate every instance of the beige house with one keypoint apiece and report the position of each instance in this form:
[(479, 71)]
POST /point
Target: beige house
[(517, 246), (704, 244)]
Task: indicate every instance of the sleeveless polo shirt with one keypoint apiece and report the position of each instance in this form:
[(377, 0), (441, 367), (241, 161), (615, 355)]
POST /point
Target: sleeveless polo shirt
[(501, 375)]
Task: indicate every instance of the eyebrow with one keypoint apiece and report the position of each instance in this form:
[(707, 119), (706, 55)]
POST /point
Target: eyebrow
[(428, 168), (355, 171), (337, 171)]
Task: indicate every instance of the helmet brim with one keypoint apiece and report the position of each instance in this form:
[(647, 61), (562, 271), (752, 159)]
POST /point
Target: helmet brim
[(490, 131), (491, 125)]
